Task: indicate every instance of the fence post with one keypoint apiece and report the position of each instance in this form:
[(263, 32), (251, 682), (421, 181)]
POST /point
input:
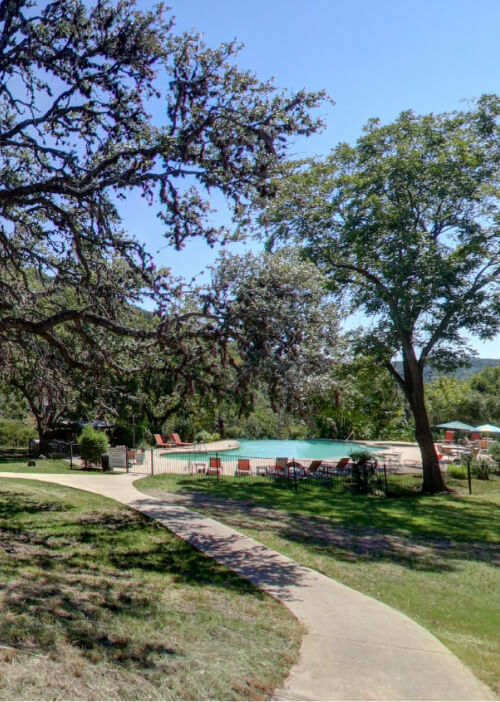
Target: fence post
[(469, 475), (385, 479), (217, 469), (70, 455), (152, 469)]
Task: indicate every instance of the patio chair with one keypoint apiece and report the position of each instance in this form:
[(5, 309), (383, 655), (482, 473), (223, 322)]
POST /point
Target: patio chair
[(214, 466), (177, 441), (342, 467), (279, 470), (243, 467), (313, 469), (483, 447), (449, 436), (160, 443)]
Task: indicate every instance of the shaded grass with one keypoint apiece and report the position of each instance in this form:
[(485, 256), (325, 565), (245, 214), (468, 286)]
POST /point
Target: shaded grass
[(98, 602), (20, 465), (433, 558)]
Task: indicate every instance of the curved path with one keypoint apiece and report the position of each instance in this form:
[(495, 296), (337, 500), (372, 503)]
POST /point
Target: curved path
[(355, 648)]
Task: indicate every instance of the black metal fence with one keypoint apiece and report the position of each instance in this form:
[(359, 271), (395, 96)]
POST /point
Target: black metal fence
[(389, 479)]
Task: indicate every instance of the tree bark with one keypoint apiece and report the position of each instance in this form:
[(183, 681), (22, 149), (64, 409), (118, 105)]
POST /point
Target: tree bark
[(413, 386)]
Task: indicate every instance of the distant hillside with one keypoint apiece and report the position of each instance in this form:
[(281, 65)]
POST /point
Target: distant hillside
[(475, 365)]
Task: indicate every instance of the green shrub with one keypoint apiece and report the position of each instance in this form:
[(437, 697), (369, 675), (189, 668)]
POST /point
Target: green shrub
[(92, 445), (480, 470), (362, 472), (494, 451), (14, 434), (457, 472), (206, 436)]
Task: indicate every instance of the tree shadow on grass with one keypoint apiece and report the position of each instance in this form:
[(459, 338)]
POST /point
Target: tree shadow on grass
[(50, 612), (71, 583), (422, 551), (443, 516)]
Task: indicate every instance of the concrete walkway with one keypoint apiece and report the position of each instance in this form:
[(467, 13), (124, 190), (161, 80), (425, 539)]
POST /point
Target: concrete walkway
[(355, 648)]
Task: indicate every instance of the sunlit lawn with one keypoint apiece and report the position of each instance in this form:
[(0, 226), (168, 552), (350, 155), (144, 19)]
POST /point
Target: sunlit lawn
[(98, 602), (434, 558)]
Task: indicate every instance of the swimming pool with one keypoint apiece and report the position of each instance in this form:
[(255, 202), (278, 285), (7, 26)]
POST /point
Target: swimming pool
[(272, 448)]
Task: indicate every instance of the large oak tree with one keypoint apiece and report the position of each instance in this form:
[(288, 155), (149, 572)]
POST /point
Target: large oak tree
[(406, 225), (78, 84)]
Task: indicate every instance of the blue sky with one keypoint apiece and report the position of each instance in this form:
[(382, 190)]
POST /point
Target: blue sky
[(375, 58)]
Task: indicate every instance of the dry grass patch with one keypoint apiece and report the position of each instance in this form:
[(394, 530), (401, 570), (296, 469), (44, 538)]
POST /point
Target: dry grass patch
[(98, 602)]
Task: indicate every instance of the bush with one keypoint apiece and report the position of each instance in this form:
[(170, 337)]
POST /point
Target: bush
[(494, 451), (480, 470), (206, 436), (362, 472), (457, 472), (14, 434), (92, 445)]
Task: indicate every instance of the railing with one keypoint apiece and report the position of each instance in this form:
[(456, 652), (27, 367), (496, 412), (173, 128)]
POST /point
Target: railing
[(386, 478)]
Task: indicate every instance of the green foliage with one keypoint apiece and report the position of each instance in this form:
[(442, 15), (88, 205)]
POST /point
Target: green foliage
[(206, 436), (123, 433), (365, 402), (480, 469), (362, 472), (14, 434), (459, 472), (494, 451), (92, 444)]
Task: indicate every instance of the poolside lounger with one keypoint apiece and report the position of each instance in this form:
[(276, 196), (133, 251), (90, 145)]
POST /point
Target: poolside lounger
[(160, 443), (215, 466), (243, 467), (177, 441)]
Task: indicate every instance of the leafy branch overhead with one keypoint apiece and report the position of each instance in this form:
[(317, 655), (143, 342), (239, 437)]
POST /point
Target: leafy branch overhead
[(79, 82)]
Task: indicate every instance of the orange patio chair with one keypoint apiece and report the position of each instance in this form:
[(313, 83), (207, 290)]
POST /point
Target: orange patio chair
[(243, 467), (215, 466), (342, 467), (160, 443), (449, 436), (177, 441)]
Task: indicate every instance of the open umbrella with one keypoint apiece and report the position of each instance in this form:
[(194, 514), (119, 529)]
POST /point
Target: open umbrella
[(458, 426), (488, 429)]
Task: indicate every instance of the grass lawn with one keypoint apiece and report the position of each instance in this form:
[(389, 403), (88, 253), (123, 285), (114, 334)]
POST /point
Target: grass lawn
[(20, 465), (99, 602), (434, 558)]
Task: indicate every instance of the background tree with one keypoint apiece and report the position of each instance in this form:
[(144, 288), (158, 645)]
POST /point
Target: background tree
[(406, 225), (282, 326), (263, 326)]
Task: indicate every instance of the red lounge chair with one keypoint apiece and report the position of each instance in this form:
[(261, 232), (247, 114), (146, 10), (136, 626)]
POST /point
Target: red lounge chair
[(279, 470), (243, 467), (177, 441), (160, 443), (449, 436), (342, 467), (215, 467)]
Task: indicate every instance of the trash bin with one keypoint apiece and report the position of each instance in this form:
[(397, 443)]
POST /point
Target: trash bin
[(105, 461)]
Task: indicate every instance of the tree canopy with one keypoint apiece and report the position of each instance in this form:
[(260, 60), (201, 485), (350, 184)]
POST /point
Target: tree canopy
[(405, 224), (78, 82)]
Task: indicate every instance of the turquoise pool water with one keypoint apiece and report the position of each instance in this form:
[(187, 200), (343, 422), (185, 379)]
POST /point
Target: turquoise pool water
[(273, 448)]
